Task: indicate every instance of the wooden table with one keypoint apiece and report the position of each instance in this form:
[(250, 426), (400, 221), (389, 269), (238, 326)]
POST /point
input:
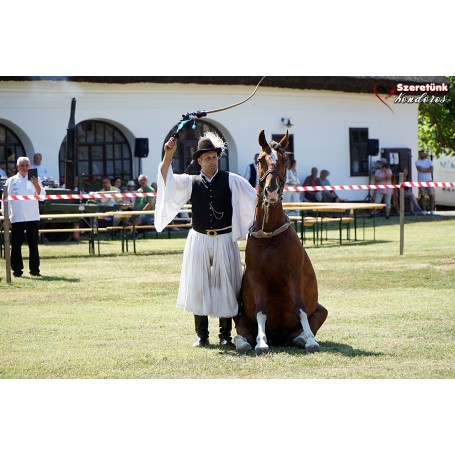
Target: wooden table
[(338, 208), (89, 218), (133, 229), (93, 226), (124, 230)]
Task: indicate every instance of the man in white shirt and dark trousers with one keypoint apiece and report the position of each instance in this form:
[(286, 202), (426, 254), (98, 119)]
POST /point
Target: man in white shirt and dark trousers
[(425, 174), (24, 217)]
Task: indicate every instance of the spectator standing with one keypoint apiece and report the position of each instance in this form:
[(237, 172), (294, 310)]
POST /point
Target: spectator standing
[(3, 174), (24, 217), (251, 173), (313, 180), (222, 205), (425, 174), (43, 173), (383, 176)]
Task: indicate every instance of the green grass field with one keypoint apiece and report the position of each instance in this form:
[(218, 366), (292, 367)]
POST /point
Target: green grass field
[(114, 316)]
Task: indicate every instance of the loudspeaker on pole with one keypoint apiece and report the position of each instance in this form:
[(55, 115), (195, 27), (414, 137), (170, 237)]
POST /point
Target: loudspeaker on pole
[(373, 147), (141, 147)]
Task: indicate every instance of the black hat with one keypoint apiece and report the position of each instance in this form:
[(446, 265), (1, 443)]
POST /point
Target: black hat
[(206, 145)]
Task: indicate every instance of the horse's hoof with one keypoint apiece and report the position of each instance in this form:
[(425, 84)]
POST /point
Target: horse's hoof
[(312, 348), (241, 345), (299, 342), (261, 350)]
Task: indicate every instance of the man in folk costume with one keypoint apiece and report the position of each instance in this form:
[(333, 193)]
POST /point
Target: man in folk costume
[(223, 206)]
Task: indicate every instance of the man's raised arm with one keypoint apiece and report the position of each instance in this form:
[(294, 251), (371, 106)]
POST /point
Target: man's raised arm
[(169, 149)]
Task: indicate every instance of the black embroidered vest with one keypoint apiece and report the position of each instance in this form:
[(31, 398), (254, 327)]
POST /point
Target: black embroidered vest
[(211, 202)]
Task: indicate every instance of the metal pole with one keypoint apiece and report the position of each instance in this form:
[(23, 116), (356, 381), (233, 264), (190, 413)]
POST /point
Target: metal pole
[(70, 158), (400, 179), (6, 227)]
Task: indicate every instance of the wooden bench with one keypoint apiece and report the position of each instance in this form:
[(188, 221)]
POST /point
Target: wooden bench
[(130, 230), (94, 232), (308, 222), (326, 221)]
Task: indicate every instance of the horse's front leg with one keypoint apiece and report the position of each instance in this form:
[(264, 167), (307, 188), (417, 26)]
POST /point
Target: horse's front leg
[(261, 340), (306, 338)]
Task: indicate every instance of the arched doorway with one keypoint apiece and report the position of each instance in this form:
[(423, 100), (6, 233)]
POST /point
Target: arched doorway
[(11, 148), (187, 145), (101, 150)]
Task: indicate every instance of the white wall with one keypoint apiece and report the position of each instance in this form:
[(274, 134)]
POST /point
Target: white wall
[(39, 112)]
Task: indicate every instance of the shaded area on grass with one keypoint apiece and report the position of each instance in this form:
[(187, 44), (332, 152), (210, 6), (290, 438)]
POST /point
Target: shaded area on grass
[(329, 346)]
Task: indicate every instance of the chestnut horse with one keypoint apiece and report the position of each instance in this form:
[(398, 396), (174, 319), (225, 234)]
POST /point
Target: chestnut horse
[(279, 295)]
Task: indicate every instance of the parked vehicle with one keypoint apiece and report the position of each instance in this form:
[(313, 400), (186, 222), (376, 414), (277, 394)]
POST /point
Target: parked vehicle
[(444, 171)]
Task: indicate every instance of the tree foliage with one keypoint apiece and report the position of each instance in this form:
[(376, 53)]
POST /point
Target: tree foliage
[(437, 124)]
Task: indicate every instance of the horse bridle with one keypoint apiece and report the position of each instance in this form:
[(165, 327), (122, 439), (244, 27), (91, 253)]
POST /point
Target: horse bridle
[(262, 188), (266, 204)]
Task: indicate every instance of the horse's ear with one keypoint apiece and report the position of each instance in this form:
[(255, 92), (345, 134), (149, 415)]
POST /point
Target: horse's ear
[(285, 140), (263, 143), (262, 140)]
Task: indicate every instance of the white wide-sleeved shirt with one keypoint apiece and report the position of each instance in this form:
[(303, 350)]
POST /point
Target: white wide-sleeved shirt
[(177, 191)]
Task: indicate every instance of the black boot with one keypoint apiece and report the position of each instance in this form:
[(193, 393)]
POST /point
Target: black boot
[(201, 325), (225, 332)]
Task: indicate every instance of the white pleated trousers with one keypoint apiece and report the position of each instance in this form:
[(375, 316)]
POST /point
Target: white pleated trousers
[(211, 275)]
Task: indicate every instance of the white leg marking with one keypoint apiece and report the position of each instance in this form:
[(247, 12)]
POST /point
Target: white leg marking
[(261, 339), (306, 338), (241, 344)]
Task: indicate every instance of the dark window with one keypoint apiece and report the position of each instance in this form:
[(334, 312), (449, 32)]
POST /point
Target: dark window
[(187, 145), (101, 150), (11, 149), (358, 147)]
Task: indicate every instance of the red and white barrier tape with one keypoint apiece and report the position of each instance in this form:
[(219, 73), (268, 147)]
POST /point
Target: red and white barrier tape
[(368, 187), (101, 195), (62, 197)]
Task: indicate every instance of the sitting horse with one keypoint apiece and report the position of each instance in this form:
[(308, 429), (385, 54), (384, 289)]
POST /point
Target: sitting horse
[(279, 294)]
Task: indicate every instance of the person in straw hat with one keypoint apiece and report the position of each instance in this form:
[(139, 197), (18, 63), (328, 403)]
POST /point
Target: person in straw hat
[(223, 206)]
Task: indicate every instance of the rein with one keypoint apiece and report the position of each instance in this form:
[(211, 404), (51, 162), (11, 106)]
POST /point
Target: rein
[(267, 235)]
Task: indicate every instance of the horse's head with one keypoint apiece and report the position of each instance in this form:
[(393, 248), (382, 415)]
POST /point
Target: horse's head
[(272, 165)]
